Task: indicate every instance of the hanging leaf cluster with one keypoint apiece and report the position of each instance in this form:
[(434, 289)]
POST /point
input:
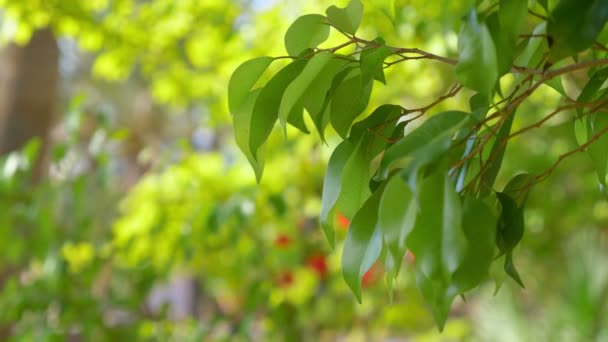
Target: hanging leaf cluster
[(401, 187)]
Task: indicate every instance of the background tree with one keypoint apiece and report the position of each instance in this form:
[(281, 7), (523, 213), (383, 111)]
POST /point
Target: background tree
[(145, 187)]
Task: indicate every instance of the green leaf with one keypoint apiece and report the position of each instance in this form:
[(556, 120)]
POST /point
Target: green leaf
[(597, 150), (300, 84), (477, 66), (518, 188), (346, 19), (478, 224), (497, 153), (355, 181), (315, 96), (510, 227), (372, 63), (243, 79), (363, 244), (435, 293), (242, 125), (533, 53), (266, 109), (380, 124), (349, 101), (296, 118), (426, 142), (396, 217), (574, 25), (510, 269), (306, 32), (512, 15), (590, 91), (322, 119), (438, 242), (332, 186)]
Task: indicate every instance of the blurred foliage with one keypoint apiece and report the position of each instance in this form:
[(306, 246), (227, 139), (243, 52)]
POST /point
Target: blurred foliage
[(80, 253)]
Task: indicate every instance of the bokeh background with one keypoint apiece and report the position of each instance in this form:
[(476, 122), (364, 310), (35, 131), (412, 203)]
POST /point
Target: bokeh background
[(128, 213)]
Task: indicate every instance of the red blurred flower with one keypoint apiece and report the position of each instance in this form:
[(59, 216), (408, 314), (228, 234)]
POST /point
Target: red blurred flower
[(410, 256), (318, 263), (370, 278), (282, 241), (343, 221), (285, 279)]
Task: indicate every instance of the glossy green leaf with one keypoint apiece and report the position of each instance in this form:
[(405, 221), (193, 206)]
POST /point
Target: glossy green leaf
[(346, 19), (496, 156), (355, 181), (433, 136), (438, 242), (477, 66), (242, 126), (478, 224), (243, 79), (300, 84), (332, 186), (503, 43), (372, 63), (396, 217), (266, 109), (574, 25), (306, 32), (349, 101), (363, 244), (597, 123)]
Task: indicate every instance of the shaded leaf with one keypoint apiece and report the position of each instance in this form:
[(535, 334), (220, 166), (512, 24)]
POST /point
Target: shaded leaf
[(363, 244), (349, 101), (597, 150), (438, 242), (510, 269), (478, 224), (379, 125), (496, 156), (519, 187), (510, 227), (322, 118), (574, 25)]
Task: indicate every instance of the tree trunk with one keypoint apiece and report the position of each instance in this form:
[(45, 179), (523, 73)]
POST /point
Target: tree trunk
[(28, 85)]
